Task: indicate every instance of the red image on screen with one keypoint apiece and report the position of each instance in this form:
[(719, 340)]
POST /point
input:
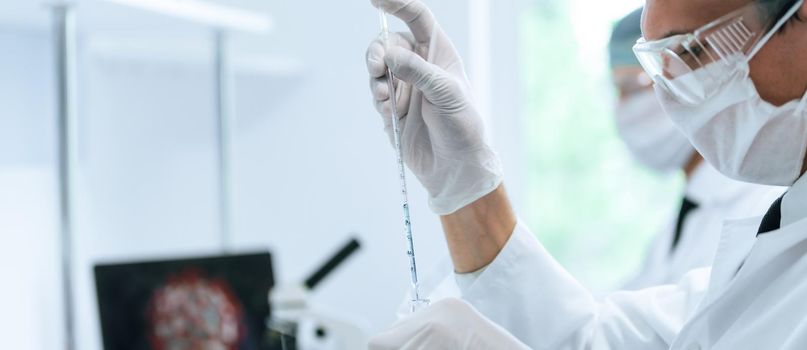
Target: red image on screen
[(191, 311)]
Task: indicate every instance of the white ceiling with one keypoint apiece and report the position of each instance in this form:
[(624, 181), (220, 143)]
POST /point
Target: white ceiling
[(106, 28), (102, 15)]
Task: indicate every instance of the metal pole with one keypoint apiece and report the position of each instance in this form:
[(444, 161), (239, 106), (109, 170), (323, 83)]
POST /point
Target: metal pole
[(224, 141), (64, 36)]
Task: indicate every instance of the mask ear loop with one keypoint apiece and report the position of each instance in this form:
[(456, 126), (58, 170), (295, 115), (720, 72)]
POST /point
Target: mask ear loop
[(764, 40), (802, 104)]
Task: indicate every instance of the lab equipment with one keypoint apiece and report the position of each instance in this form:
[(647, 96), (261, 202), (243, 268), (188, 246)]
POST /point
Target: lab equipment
[(299, 324), (162, 303), (417, 301), (350, 248), (695, 66)]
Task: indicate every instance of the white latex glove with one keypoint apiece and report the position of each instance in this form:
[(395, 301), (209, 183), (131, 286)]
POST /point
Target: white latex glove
[(442, 133), (448, 324)]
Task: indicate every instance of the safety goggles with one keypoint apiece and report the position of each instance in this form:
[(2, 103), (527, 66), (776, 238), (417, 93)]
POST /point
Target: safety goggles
[(692, 67)]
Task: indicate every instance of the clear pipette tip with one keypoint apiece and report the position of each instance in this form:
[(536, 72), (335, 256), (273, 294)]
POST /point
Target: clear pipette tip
[(382, 17), (417, 303)]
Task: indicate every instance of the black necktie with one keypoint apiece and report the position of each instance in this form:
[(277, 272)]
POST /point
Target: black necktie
[(772, 219), (687, 206)]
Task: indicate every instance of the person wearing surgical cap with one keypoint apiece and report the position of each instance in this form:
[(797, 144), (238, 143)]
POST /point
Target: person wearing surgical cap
[(690, 237)]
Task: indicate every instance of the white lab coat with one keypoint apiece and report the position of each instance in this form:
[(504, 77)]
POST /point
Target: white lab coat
[(719, 198), (754, 297)]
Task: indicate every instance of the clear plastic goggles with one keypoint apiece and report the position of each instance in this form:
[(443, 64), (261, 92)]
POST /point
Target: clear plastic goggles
[(692, 67)]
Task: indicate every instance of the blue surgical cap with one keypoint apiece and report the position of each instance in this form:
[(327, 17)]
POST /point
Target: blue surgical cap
[(624, 36)]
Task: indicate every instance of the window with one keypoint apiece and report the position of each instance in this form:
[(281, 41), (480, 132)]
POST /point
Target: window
[(588, 202)]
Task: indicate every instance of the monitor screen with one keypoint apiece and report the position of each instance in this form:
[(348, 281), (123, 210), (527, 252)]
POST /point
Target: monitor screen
[(206, 303)]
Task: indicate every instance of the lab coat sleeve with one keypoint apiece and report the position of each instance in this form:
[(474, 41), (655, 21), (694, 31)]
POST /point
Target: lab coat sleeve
[(528, 293)]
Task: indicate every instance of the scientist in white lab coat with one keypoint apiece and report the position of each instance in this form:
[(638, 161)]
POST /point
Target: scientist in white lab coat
[(690, 239), (731, 74)]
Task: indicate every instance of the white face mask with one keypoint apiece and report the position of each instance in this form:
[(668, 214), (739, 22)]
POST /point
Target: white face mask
[(651, 137), (743, 136)]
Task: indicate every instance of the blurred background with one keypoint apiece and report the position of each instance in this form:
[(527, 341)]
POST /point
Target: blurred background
[(310, 166)]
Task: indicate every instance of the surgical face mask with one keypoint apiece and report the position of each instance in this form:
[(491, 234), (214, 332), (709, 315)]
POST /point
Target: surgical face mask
[(651, 137), (743, 136), (740, 134)]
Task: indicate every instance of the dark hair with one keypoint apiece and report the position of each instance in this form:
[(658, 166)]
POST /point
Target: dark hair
[(778, 8)]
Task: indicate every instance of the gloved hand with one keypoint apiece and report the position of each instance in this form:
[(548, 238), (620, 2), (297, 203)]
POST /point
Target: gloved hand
[(448, 324), (442, 133)]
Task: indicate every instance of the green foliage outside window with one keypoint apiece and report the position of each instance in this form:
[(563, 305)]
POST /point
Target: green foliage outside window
[(589, 203)]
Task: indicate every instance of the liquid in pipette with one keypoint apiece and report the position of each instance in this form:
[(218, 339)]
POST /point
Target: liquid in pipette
[(416, 302)]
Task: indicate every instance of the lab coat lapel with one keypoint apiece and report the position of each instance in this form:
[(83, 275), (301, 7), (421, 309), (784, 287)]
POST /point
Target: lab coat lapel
[(736, 241), (763, 304)]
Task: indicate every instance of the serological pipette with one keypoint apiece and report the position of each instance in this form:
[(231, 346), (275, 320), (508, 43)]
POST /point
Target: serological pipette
[(417, 302)]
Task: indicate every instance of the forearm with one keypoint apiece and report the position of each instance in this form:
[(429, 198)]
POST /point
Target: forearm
[(478, 232), (527, 292)]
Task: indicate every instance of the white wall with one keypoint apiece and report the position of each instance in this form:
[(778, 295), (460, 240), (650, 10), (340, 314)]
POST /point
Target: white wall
[(507, 119), (329, 169), (312, 165), (30, 294)]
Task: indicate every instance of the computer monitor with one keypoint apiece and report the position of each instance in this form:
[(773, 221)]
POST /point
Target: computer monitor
[(216, 302)]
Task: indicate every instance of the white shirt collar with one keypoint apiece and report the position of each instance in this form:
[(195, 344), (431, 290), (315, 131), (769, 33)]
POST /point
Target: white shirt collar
[(707, 186), (794, 203)]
